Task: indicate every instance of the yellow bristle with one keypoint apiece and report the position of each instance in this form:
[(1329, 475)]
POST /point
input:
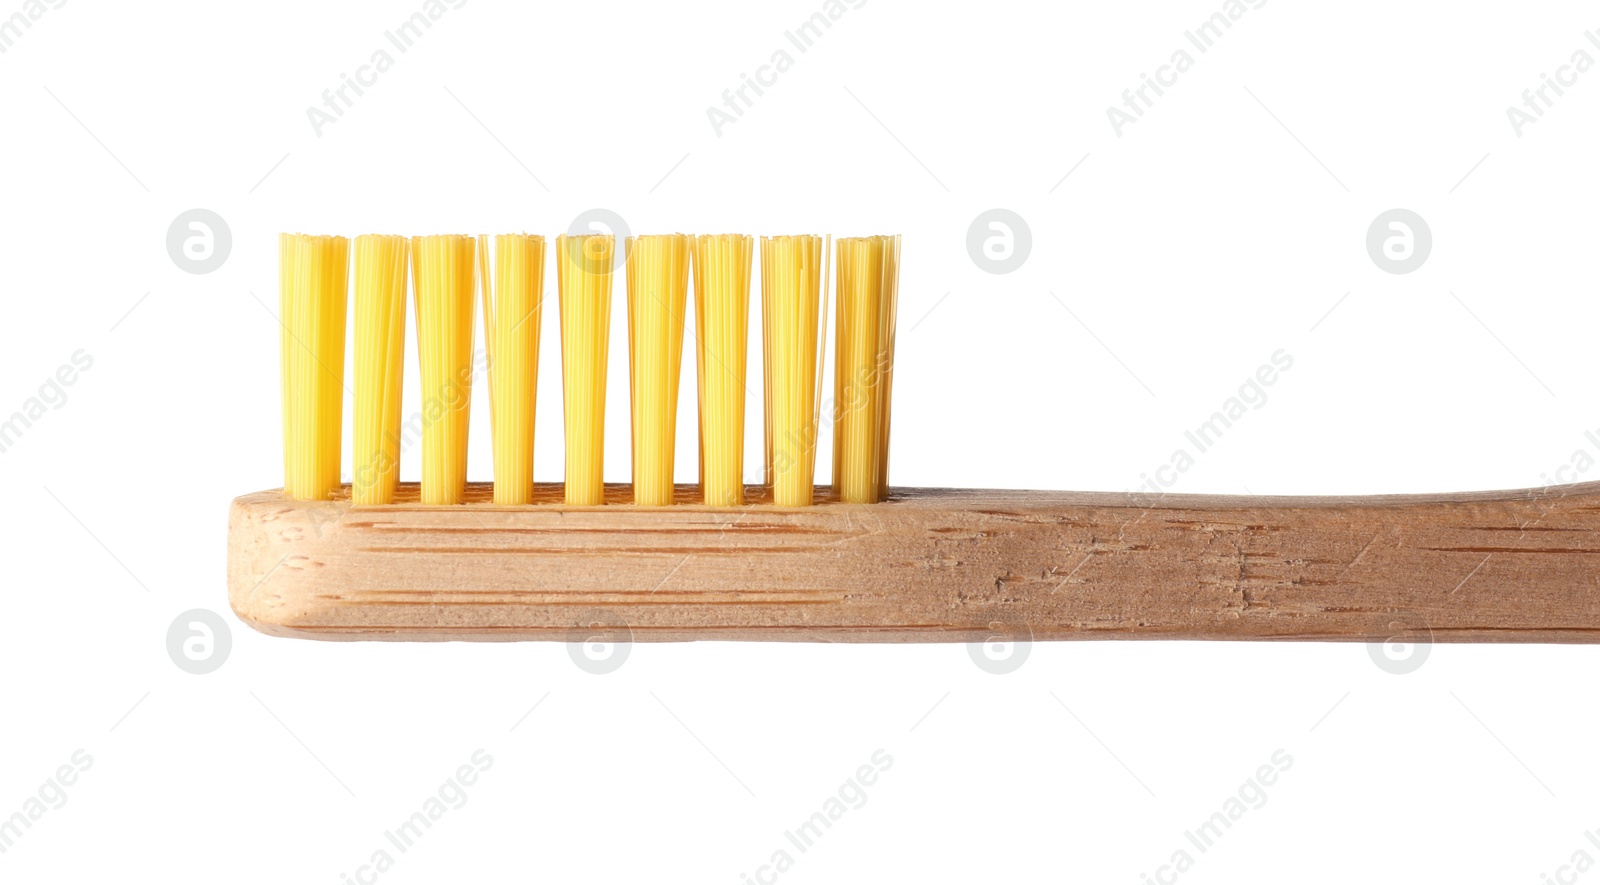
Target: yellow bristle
[(868, 287), (722, 332), (583, 276), (511, 317), (658, 292), (380, 287), (792, 273), (313, 300), (442, 278)]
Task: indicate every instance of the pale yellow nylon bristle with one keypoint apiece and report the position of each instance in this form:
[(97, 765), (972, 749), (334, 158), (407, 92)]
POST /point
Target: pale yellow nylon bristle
[(380, 296), (512, 297), (868, 291), (583, 276), (792, 275), (722, 332), (313, 298), (442, 276), (658, 292)]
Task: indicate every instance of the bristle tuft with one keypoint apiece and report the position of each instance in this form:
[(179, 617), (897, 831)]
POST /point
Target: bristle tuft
[(658, 289), (513, 296), (443, 282), (722, 332), (792, 274), (583, 269), (868, 289), (380, 296), (313, 303)]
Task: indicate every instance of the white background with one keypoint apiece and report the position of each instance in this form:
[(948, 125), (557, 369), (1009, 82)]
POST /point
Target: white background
[(1225, 225)]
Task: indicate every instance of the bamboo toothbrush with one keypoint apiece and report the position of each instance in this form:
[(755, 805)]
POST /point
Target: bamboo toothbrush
[(785, 559)]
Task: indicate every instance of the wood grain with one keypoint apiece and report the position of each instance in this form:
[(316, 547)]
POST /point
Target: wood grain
[(927, 565)]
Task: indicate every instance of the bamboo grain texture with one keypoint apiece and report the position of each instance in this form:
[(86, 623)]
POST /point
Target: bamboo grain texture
[(927, 565)]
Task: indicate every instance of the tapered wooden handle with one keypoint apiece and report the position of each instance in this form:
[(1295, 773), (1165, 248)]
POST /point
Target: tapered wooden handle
[(927, 565)]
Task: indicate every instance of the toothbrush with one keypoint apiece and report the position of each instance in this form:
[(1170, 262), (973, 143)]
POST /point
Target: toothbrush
[(786, 559)]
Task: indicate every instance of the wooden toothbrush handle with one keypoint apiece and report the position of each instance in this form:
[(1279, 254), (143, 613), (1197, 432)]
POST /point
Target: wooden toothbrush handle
[(929, 565)]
